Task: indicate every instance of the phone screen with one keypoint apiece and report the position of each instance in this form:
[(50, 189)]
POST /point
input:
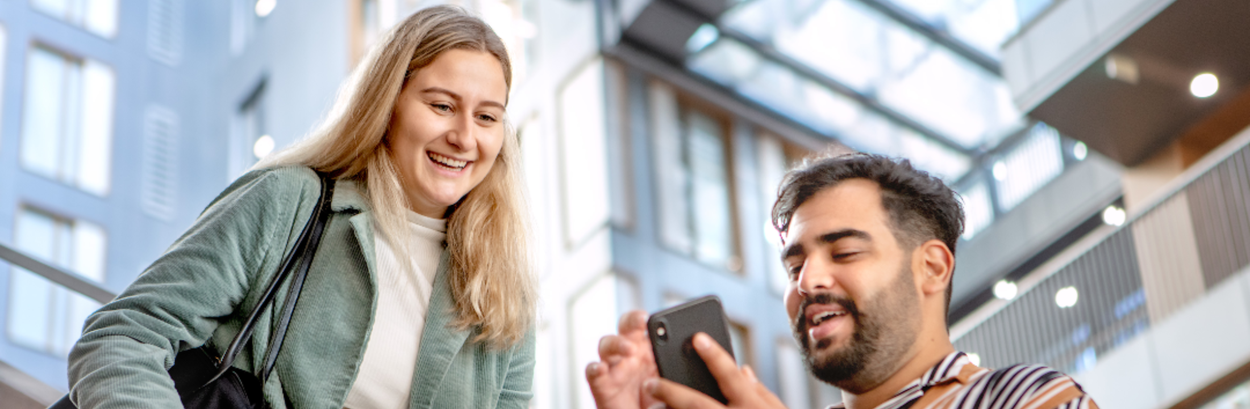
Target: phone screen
[(672, 333)]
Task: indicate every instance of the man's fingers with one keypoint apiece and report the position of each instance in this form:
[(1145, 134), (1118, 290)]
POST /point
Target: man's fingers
[(721, 365), (635, 320), (678, 396), (613, 347)]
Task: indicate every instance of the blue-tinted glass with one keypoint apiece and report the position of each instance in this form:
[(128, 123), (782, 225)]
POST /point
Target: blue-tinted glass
[(982, 24)]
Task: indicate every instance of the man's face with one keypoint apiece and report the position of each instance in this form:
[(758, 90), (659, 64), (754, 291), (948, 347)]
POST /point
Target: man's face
[(853, 302)]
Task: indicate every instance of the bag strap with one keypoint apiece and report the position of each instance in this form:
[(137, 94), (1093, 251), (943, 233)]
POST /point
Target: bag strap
[(306, 244), (322, 214)]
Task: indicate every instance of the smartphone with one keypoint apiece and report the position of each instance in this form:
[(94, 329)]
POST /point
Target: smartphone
[(672, 334)]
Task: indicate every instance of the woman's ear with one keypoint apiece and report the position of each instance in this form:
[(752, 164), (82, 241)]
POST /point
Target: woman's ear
[(936, 265)]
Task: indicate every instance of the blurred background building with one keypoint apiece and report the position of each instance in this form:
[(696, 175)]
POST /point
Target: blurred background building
[(1099, 147)]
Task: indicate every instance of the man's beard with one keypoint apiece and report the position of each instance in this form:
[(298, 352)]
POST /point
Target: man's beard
[(883, 333)]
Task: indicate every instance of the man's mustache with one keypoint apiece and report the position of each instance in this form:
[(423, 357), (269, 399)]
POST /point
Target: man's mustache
[(800, 320)]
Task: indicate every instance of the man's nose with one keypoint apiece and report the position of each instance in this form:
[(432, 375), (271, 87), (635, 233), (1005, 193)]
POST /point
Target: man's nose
[(815, 277)]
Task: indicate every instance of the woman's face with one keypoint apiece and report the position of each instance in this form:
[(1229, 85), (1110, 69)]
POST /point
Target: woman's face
[(447, 128)]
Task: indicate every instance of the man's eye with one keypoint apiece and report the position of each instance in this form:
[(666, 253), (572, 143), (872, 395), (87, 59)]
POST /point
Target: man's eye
[(844, 255)]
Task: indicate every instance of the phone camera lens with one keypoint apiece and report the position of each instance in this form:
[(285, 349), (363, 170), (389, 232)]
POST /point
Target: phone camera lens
[(662, 332)]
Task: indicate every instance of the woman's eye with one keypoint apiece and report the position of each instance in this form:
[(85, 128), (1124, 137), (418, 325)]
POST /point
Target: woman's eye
[(487, 118), (441, 107)]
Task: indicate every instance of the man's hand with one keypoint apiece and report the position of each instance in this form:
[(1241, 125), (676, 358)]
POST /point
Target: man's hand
[(740, 386), (626, 361)]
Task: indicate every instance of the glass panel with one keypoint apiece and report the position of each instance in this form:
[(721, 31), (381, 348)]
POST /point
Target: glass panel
[(671, 177), (95, 159), (772, 159), (592, 314), (982, 24), (740, 341), (51, 316), (709, 209), (32, 295), (792, 376), (101, 17), (56, 8), (978, 209), (930, 156), (1028, 166), (950, 96), (89, 244), (43, 121), (584, 154), (851, 43)]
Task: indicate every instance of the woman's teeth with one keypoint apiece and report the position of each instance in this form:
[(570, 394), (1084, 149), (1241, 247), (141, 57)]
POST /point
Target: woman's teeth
[(448, 162)]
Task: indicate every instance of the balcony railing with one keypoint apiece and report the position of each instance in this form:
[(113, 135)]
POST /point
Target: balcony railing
[(1111, 288)]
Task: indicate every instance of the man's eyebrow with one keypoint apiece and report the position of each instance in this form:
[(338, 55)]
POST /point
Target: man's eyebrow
[(796, 249), (457, 97)]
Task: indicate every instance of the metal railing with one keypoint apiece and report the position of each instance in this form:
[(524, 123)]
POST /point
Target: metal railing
[(1190, 239), (71, 281)]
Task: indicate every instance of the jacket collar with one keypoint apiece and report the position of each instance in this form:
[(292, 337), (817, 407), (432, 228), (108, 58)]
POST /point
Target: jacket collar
[(441, 341), (349, 195)]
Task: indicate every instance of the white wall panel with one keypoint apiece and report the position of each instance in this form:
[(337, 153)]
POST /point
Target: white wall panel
[(1203, 341), (1123, 379), (1057, 37)]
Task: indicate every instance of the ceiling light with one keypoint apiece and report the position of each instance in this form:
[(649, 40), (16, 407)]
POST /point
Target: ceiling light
[(974, 359), (1005, 290), (702, 37), (1114, 215), (1000, 171), (1121, 68), (1066, 297), (1204, 85), (1080, 151), (263, 146), (264, 7)]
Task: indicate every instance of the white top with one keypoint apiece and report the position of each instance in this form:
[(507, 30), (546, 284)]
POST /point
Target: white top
[(385, 376)]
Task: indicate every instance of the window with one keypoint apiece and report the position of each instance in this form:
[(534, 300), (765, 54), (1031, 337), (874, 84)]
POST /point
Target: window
[(67, 124), (158, 187), (583, 153), (978, 208), (3, 42), (97, 16), (592, 314), (692, 178), (165, 31), (792, 375), (51, 316), (1028, 166), (248, 136), (775, 157)]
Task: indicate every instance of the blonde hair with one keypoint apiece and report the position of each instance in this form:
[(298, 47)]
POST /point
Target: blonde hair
[(489, 268)]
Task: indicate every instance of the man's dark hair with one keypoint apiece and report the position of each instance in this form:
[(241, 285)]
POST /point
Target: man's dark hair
[(919, 205)]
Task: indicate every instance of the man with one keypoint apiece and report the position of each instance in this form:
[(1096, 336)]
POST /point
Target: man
[(870, 251)]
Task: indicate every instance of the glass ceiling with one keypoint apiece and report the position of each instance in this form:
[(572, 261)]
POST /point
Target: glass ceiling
[(846, 68)]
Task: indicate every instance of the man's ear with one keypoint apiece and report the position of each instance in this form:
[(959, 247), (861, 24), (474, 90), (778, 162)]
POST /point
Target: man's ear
[(935, 265)]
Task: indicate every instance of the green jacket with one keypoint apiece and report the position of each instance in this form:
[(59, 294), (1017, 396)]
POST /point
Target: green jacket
[(208, 281)]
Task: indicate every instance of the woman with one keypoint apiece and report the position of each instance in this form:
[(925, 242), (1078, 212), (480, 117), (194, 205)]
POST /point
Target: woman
[(393, 313)]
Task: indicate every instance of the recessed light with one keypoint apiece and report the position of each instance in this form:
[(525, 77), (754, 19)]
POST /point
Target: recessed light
[(1204, 85), (1114, 215), (264, 7), (1066, 297), (1005, 290), (263, 146), (1080, 151), (1000, 171), (974, 359)]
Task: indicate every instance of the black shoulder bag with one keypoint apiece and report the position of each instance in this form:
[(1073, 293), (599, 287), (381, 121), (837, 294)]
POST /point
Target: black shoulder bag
[(203, 379)]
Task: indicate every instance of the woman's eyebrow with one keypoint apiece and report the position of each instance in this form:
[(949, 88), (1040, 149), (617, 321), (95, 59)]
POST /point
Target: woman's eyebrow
[(457, 97)]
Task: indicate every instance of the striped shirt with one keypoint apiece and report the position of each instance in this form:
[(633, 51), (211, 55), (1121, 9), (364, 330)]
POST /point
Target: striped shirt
[(957, 383)]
